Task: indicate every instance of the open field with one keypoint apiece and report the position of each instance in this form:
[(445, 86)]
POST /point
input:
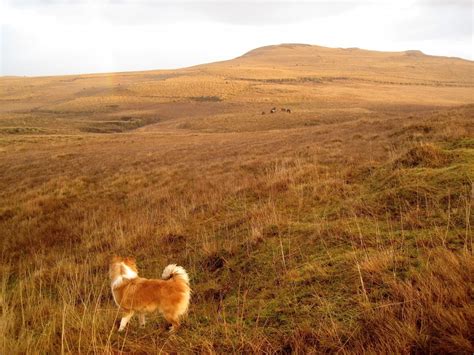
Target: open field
[(343, 226)]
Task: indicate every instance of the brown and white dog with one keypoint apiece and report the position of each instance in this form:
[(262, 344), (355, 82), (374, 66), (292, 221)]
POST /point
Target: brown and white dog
[(132, 293)]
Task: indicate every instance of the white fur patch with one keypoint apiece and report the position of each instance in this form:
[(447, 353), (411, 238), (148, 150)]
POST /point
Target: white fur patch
[(173, 269), (129, 273), (117, 282), (113, 295)]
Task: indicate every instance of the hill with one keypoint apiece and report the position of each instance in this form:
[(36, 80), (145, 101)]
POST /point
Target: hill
[(343, 225), (315, 81)]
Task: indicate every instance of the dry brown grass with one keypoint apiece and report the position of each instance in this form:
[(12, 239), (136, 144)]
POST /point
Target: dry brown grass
[(344, 226)]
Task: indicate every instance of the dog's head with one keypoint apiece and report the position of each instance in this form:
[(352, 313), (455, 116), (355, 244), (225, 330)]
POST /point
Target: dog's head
[(125, 267)]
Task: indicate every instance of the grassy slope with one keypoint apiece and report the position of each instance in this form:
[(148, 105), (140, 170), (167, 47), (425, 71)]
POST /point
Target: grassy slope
[(345, 225)]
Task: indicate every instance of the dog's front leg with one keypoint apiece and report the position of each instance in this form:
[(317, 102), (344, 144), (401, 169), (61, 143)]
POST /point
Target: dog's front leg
[(124, 321), (141, 317)]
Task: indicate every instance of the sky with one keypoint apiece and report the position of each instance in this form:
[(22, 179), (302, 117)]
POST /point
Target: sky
[(56, 37)]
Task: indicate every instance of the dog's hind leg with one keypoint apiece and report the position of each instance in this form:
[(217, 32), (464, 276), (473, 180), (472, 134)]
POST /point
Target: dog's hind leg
[(173, 320), (141, 317), (124, 321)]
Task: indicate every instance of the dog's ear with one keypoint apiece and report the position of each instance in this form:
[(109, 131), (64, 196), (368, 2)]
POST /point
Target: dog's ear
[(130, 261)]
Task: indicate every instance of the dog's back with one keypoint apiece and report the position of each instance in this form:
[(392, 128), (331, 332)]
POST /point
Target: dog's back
[(149, 295)]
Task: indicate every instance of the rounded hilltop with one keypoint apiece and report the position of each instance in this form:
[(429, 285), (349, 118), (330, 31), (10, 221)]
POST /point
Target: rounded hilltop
[(276, 47), (301, 49)]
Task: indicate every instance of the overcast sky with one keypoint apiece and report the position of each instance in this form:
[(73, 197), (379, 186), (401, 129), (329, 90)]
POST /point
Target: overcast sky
[(52, 37)]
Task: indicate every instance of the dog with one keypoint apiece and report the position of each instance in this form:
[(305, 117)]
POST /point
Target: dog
[(134, 294)]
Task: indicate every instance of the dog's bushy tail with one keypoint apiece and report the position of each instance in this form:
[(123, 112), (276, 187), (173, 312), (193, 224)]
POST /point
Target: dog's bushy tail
[(173, 270)]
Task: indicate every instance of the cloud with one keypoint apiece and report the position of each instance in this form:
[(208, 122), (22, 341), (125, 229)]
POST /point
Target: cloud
[(439, 21), (162, 12), (58, 37)]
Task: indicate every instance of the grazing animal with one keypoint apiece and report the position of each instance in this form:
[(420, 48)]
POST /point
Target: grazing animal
[(134, 294), (273, 110), (283, 109), (288, 110)]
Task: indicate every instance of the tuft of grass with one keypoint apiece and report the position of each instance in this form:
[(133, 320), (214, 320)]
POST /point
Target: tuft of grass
[(425, 155)]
